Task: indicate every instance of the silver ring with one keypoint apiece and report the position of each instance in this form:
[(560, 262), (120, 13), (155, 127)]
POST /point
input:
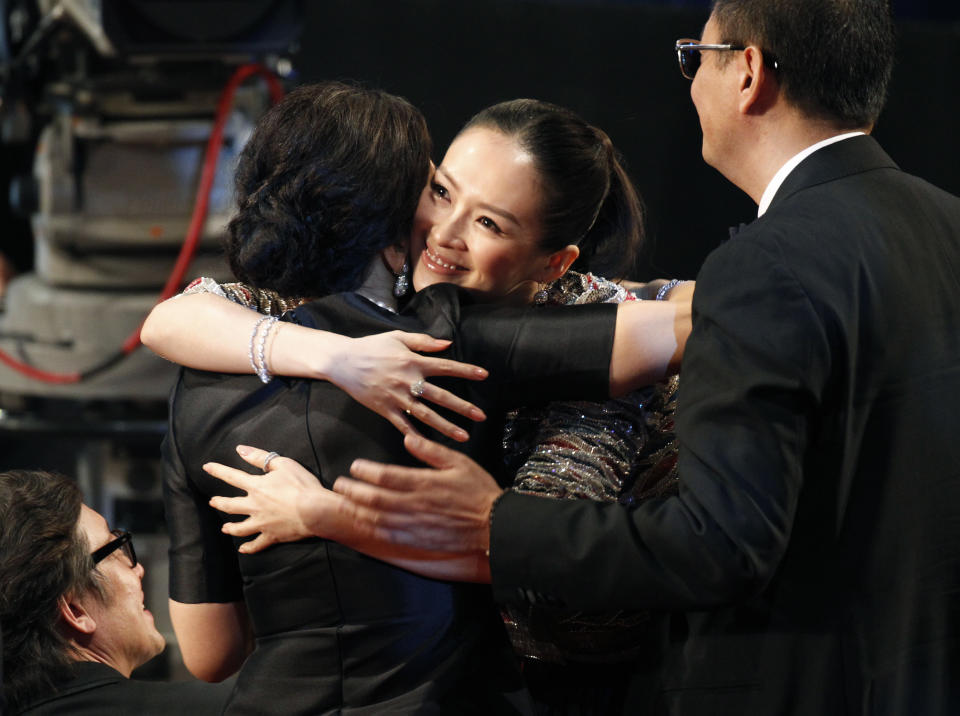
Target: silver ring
[(416, 389), (268, 458)]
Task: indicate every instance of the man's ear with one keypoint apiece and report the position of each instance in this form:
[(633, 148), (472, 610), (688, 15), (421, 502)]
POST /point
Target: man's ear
[(75, 615), (558, 263), (758, 82)]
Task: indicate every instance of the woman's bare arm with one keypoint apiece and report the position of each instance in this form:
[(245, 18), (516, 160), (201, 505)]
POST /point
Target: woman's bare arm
[(650, 339), (214, 639), (209, 332)]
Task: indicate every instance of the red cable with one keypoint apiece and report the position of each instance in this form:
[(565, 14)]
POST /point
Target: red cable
[(189, 248)]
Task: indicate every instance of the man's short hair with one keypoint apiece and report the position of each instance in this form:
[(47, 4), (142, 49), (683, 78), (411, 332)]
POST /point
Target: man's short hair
[(43, 556), (835, 56)]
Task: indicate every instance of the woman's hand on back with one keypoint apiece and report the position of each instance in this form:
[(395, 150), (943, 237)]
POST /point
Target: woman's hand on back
[(384, 373)]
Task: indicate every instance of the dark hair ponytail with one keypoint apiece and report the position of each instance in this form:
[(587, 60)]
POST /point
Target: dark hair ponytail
[(590, 200)]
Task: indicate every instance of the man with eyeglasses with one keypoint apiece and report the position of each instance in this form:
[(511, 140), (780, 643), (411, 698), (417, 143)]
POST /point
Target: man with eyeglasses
[(72, 610), (813, 552)]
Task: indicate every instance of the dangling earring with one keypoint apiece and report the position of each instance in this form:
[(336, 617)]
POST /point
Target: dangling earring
[(541, 295), (401, 283)]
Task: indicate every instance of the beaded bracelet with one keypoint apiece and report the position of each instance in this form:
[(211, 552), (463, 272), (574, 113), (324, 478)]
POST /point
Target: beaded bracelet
[(666, 288), (262, 372), (253, 343)]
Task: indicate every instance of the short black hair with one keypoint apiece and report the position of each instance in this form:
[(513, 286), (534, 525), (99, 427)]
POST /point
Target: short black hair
[(43, 556), (331, 175), (835, 57)]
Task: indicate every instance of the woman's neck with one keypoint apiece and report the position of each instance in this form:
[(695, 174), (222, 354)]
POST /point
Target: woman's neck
[(378, 283)]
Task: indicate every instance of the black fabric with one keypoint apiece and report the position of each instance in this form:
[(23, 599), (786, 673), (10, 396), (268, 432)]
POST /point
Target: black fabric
[(815, 541), (338, 632), (97, 690)]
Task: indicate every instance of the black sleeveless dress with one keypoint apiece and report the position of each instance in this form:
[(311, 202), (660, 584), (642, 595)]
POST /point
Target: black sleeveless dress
[(336, 631)]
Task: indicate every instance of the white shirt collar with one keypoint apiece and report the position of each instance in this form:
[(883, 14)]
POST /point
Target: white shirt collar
[(791, 164)]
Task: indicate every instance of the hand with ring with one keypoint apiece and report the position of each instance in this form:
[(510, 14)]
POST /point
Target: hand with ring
[(384, 373), (288, 503), (278, 503), (267, 459)]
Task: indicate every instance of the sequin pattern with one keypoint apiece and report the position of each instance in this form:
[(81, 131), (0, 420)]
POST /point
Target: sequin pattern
[(262, 300), (621, 449)]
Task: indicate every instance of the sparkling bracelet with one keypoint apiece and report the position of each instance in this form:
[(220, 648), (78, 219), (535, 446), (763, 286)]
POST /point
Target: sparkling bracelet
[(253, 343), (666, 288), (262, 372)]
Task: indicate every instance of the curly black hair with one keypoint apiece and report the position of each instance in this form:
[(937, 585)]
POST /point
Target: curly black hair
[(331, 175)]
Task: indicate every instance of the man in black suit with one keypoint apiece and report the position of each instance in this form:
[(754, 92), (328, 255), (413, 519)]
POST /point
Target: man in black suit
[(72, 612), (814, 547)]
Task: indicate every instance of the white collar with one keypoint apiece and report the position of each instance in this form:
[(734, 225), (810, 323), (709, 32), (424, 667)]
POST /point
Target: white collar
[(791, 164)]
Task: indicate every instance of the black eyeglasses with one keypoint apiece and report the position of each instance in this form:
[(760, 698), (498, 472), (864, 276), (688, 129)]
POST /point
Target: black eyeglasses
[(688, 55), (124, 541)]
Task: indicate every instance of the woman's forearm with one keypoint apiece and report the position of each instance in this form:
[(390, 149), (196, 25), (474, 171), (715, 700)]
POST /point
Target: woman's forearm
[(209, 332), (214, 639), (649, 340)]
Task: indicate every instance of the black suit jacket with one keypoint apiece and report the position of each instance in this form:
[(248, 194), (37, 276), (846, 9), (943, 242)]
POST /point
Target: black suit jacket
[(815, 542), (97, 690)]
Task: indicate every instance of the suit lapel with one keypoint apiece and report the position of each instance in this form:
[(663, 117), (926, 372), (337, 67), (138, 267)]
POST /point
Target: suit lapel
[(835, 161)]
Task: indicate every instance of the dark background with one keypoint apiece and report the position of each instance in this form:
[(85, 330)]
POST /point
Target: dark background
[(613, 62)]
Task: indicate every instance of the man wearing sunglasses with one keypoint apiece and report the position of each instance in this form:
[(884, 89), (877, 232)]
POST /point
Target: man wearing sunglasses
[(813, 551), (72, 610)]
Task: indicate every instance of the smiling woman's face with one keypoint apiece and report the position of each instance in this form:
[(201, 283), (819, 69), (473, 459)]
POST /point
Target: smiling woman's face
[(478, 221)]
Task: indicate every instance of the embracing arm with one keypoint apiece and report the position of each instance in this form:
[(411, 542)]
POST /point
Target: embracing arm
[(209, 332), (743, 428), (214, 639), (753, 384), (650, 340), (288, 503)]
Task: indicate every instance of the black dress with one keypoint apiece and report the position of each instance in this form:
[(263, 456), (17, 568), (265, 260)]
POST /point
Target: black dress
[(336, 631)]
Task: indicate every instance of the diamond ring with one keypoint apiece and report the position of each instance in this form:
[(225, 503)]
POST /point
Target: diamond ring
[(268, 458), (416, 389)]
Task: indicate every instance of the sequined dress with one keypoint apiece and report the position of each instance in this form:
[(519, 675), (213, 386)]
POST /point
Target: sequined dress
[(622, 449)]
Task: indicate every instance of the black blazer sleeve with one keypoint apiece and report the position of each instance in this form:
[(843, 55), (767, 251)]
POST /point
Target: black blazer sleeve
[(740, 463), (533, 353)]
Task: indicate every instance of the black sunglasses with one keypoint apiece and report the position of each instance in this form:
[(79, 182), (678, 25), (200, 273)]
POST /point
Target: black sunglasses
[(124, 541), (688, 55)]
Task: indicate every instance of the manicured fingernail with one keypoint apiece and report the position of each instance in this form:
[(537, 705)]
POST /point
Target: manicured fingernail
[(480, 372), (461, 435), (243, 450), (477, 414)]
